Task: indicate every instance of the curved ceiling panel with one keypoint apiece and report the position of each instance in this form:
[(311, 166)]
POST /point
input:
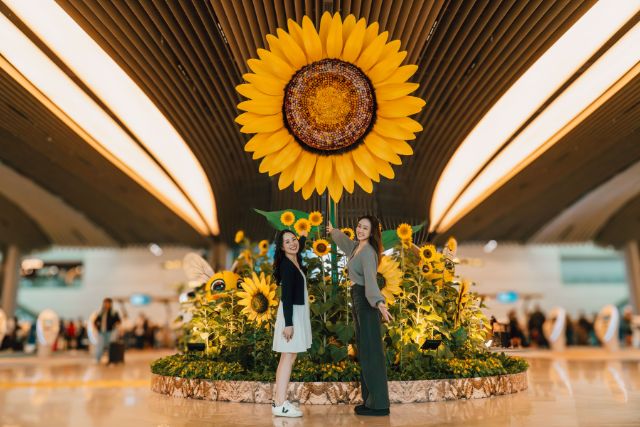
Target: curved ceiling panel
[(62, 224), (623, 227), (17, 228)]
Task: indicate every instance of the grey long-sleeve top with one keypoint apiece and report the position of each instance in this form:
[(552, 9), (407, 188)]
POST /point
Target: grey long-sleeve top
[(363, 267)]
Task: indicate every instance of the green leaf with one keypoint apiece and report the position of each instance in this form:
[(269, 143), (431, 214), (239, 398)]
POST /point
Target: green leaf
[(390, 237), (345, 332), (274, 218)]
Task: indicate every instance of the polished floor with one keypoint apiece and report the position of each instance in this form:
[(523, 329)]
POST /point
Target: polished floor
[(583, 387)]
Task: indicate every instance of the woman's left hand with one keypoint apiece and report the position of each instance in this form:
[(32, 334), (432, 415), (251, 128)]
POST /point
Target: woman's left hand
[(386, 316)]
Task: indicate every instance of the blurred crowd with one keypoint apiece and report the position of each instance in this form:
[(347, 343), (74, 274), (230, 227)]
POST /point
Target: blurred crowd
[(578, 331)]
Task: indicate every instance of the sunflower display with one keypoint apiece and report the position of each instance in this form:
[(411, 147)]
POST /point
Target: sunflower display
[(404, 231), (264, 247), (257, 297), (450, 248), (312, 299), (239, 236), (389, 278), (428, 253), (348, 232), (302, 225), (287, 218), (315, 218), (330, 108), (321, 247)]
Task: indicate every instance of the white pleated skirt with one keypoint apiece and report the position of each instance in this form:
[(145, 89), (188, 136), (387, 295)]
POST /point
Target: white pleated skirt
[(301, 340)]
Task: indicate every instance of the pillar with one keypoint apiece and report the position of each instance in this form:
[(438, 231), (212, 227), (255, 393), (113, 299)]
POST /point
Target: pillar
[(632, 261), (10, 277)]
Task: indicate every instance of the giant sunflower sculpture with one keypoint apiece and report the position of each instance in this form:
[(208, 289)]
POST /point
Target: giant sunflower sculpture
[(257, 297), (389, 278), (329, 108)]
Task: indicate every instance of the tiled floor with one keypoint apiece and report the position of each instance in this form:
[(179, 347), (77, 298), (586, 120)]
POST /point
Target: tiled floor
[(576, 388)]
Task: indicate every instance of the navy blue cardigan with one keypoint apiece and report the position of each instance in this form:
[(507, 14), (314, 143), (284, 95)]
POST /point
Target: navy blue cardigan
[(292, 284)]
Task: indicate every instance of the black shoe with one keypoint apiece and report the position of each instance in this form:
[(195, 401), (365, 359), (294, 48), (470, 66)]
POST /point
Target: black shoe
[(371, 412), (359, 407)]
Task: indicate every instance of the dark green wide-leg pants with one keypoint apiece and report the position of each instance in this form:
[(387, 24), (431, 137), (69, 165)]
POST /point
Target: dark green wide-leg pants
[(373, 366)]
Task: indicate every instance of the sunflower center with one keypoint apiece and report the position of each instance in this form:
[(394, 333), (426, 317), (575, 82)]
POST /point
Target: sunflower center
[(321, 247), (382, 282), (329, 105), (259, 303)]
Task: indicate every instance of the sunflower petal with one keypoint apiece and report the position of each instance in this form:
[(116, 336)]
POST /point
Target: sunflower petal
[(335, 188), (380, 148), (384, 168), (344, 168), (386, 67), (395, 91), (259, 67), (363, 160), (400, 107), (274, 143), (353, 45), (307, 189), (325, 23), (275, 46), (264, 124), (286, 156), (266, 165), (334, 38), (256, 142), (389, 129), (371, 53), (305, 166), (347, 26), (370, 34), (312, 43), (401, 147), (409, 124), (276, 65), (292, 50), (246, 118), (287, 175), (249, 91), (401, 75), (261, 106), (323, 173), (296, 32), (265, 84), (363, 180)]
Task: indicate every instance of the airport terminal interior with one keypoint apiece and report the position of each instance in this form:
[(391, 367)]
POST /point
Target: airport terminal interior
[(319, 212)]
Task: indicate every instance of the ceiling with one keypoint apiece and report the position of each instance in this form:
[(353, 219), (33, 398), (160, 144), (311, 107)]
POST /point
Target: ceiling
[(188, 57)]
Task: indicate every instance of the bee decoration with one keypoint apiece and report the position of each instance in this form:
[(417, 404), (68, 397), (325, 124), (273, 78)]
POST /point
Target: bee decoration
[(200, 274)]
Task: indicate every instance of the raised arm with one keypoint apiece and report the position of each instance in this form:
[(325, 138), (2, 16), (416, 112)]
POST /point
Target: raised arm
[(343, 241)]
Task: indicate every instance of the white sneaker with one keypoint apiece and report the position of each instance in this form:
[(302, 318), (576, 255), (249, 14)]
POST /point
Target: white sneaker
[(285, 410)]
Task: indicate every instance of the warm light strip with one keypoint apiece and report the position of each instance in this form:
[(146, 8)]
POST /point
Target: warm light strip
[(33, 70), (122, 96), (610, 73), (526, 96)]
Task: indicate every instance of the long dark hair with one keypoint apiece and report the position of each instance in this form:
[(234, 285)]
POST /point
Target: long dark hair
[(280, 255), (375, 238)]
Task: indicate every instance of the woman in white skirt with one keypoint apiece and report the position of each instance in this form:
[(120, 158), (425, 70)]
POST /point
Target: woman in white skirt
[(292, 332)]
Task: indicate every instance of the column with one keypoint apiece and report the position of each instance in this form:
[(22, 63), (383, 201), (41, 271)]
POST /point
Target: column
[(632, 261), (10, 276)]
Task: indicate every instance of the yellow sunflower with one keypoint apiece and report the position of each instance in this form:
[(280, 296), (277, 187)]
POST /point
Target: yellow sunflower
[(315, 218), (287, 218), (349, 232), (428, 253), (264, 247), (330, 108), (302, 225), (408, 243), (452, 245), (426, 269), (321, 247), (239, 236), (389, 278), (220, 282), (404, 231), (257, 296), (312, 299)]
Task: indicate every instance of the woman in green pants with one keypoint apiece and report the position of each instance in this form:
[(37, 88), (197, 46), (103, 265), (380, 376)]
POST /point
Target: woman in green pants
[(369, 309)]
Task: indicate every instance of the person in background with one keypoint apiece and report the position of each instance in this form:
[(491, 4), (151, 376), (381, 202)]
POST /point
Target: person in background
[(140, 330), (582, 330), (515, 332), (625, 330), (71, 335), (536, 320), (106, 322), (570, 331)]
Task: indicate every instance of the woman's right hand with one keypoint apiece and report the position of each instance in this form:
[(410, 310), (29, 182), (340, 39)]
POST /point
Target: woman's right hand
[(288, 333), (329, 227)]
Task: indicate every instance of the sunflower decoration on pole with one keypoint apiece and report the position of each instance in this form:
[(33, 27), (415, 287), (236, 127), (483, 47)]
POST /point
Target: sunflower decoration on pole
[(330, 107)]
